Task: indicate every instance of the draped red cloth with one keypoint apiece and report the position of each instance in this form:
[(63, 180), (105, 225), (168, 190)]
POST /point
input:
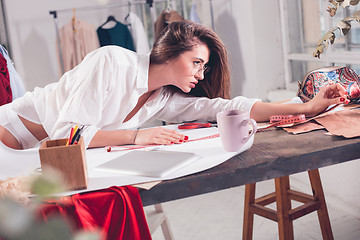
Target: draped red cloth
[(5, 89), (116, 211)]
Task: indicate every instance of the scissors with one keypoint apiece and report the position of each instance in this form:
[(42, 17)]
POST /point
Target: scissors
[(194, 125)]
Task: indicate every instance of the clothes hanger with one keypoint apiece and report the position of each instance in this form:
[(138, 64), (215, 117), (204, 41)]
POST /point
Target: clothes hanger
[(168, 6), (127, 16), (73, 20), (111, 18)]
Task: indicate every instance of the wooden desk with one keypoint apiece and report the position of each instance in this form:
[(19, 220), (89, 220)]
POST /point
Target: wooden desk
[(275, 153)]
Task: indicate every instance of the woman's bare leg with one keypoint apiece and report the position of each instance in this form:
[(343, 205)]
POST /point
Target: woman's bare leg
[(8, 139), (37, 130)]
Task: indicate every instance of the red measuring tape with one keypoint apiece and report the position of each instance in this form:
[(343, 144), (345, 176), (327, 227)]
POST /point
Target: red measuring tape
[(279, 120), (204, 138), (133, 147), (287, 119)]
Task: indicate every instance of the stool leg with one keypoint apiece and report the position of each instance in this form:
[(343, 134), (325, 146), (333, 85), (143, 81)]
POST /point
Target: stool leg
[(322, 211), (283, 205), (248, 215), (165, 226)]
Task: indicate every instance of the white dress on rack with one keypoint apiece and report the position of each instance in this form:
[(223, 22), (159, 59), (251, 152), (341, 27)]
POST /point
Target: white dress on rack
[(138, 33)]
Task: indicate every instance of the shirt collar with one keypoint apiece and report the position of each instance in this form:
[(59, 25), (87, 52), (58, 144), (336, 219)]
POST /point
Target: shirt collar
[(143, 72)]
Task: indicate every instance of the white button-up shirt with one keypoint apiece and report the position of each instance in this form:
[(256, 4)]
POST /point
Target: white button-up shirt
[(104, 88)]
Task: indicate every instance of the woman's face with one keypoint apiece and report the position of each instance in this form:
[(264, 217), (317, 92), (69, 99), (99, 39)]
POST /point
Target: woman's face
[(188, 68)]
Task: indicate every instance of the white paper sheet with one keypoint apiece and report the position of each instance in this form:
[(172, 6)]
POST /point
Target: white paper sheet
[(17, 163)]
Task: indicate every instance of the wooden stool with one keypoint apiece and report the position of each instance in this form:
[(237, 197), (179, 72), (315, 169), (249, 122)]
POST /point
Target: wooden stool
[(158, 218), (284, 214)]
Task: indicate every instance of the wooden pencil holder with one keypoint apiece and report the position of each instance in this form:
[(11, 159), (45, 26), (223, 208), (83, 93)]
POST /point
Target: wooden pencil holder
[(69, 160)]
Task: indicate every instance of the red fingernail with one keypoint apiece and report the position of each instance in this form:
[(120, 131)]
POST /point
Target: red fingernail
[(180, 140), (186, 138), (342, 99), (172, 143)]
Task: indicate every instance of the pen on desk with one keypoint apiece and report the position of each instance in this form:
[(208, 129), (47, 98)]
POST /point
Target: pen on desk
[(70, 137), (127, 147), (73, 134), (76, 135), (77, 139), (122, 148)]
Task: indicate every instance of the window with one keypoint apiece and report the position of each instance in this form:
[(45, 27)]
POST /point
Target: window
[(305, 22)]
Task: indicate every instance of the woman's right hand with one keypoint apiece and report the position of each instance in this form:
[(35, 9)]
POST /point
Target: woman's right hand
[(328, 95), (158, 135)]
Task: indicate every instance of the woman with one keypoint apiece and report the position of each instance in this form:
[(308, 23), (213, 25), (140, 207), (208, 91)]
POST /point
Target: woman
[(114, 91)]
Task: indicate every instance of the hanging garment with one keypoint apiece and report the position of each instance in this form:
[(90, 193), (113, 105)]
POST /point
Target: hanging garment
[(164, 19), (16, 82), (138, 33), (76, 41), (116, 211), (194, 15), (118, 35), (5, 88)]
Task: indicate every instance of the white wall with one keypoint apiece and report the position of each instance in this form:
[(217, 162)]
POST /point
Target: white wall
[(248, 28), (33, 36)]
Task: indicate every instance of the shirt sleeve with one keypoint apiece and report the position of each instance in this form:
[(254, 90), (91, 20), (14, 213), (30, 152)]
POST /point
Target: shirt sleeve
[(79, 97), (181, 107)]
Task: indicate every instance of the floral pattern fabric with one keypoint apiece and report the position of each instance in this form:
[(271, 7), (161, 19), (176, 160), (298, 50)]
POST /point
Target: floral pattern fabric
[(314, 81)]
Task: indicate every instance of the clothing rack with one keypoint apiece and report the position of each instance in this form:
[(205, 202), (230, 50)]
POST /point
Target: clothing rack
[(54, 13), (153, 16), (123, 4)]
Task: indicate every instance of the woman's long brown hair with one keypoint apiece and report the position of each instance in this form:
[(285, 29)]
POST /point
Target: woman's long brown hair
[(179, 37)]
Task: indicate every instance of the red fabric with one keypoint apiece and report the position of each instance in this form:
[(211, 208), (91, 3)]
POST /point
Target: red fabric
[(116, 211), (5, 89)]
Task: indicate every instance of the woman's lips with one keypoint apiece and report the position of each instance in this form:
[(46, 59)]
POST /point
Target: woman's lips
[(193, 84)]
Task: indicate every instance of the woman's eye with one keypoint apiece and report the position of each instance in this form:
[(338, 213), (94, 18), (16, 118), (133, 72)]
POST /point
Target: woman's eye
[(196, 63)]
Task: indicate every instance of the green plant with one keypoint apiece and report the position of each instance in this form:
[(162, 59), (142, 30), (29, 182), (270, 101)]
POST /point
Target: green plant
[(343, 26)]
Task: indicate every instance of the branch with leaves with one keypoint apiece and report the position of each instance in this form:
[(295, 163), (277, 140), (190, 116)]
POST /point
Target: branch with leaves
[(343, 26)]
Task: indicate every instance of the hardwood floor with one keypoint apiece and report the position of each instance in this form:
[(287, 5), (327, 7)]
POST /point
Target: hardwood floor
[(219, 215)]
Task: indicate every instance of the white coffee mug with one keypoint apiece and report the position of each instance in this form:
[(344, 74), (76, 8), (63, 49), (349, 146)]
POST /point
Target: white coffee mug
[(234, 128)]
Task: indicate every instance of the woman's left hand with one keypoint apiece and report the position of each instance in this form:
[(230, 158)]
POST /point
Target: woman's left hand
[(329, 95), (159, 135)]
